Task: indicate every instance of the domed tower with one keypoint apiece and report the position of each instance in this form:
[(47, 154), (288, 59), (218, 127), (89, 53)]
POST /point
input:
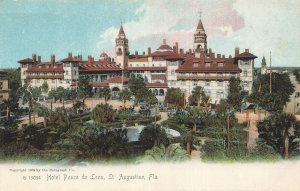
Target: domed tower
[(104, 57), (200, 43), (122, 49)]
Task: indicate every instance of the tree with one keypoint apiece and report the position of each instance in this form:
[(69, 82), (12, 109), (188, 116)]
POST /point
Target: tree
[(72, 94), (150, 98), (297, 74), (235, 93), (45, 87), (10, 104), (150, 136), (105, 93), (199, 94), (85, 89), (174, 97), (124, 96), (138, 88), (103, 113), (161, 153), (62, 93), (30, 96), (280, 132), (273, 101), (52, 95)]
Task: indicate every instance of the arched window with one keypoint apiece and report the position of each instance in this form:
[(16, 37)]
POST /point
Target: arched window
[(161, 92), (156, 92)]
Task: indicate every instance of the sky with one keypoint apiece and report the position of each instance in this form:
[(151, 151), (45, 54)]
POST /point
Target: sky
[(89, 27)]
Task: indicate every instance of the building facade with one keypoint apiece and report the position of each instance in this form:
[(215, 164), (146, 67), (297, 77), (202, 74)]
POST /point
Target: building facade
[(164, 68)]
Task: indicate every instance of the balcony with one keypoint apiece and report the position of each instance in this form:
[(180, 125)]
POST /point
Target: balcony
[(198, 77), (45, 77)]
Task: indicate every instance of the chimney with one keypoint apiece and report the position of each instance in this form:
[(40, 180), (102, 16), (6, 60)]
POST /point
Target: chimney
[(92, 59), (52, 59), (181, 52), (223, 56), (209, 50), (143, 52), (218, 55), (89, 58), (190, 51), (177, 46), (39, 59), (237, 52), (34, 57), (109, 59), (113, 60), (174, 48), (213, 55), (164, 41), (230, 56), (246, 50), (149, 50), (70, 55)]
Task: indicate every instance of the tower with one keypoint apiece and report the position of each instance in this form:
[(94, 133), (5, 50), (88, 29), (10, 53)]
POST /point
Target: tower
[(263, 68), (122, 50), (200, 43)]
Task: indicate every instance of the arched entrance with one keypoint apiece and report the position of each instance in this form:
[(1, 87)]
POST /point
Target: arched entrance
[(115, 93)]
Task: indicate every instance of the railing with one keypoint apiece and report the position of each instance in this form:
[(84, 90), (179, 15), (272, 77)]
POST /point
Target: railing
[(195, 77)]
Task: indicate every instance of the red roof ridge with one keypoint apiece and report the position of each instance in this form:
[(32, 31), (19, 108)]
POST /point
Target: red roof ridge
[(121, 31), (200, 25)]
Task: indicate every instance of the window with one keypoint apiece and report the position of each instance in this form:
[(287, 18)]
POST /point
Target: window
[(195, 83), (130, 65), (1, 85), (220, 83), (173, 83), (67, 72), (75, 73), (152, 65), (143, 65), (67, 64), (24, 65), (172, 72), (207, 83), (245, 73), (53, 81), (220, 64)]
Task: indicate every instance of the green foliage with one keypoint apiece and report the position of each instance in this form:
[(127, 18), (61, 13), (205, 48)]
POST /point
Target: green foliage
[(45, 87), (138, 88), (85, 89), (198, 97), (174, 152), (151, 136), (125, 95), (150, 98), (93, 142), (174, 96), (127, 115), (235, 93), (14, 80), (296, 73), (105, 93), (103, 113), (276, 128), (282, 88)]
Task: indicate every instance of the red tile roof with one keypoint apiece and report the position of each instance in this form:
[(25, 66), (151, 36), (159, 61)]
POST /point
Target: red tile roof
[(165, 47), (169, 55), (200, 25), (117, 79), (147, 68), (228, 66), (47, 67), (245, 55), (27, 60), (99, 66), (121, 31), (71, 59)]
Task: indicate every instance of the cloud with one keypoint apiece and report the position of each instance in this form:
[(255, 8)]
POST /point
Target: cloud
[(174, 21), (259, 25)]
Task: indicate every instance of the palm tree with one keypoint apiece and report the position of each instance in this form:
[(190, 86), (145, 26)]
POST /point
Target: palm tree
[(52, 95), (279, 131), (125, 95), (105, 92), (30, 96), (199, 94), (10, 104), (62, 93)]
